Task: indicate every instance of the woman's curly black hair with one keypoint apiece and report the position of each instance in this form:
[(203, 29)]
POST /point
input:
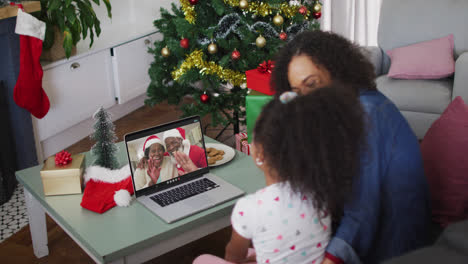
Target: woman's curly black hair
[(344, 61), (314, 143)]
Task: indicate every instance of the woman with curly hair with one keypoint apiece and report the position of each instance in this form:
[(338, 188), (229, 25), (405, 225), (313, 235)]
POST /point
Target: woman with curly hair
[(389, 211), (309, 168)]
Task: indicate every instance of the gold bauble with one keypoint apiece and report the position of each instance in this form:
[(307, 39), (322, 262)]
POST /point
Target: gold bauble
[(278, 20), (165, 52), (260, 41), (317, 7), (212, 48), (243, 4)]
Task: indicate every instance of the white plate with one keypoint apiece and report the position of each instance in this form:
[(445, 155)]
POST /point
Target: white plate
[(229, 153)]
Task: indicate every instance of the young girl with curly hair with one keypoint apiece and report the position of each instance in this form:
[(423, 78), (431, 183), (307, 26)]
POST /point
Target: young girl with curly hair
[(309, 168)]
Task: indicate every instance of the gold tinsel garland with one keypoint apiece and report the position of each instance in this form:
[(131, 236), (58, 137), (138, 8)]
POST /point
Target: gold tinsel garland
[(189, 11), (263, 9), (195, 59), (258, 8)]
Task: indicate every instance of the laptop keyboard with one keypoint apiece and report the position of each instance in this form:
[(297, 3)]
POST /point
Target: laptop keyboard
[(184, 192)]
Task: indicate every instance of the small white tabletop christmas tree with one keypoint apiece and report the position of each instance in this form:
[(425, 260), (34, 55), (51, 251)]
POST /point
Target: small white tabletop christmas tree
[(104, 150)]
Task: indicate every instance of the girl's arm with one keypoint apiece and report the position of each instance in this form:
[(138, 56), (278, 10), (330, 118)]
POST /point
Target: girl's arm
[(237, 248)]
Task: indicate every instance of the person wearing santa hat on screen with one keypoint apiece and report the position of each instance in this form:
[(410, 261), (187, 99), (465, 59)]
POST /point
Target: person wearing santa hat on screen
[(187, 157), (154, 167)]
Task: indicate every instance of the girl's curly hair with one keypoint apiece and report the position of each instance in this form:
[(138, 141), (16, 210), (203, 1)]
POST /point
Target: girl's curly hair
[(344, 61), (314, 143)]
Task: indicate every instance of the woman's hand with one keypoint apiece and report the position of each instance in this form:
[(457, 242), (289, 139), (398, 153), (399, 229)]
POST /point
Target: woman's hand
[(154, 169), (185, 162)]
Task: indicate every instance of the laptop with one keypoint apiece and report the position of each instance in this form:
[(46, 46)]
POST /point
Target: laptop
[(170, 190)]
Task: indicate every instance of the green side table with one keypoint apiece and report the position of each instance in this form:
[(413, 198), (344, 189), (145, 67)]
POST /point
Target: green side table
[(129, 234)]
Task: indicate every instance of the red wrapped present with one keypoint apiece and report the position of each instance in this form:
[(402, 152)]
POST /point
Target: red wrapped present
[(246, 147), (239, 138), (259, 79)]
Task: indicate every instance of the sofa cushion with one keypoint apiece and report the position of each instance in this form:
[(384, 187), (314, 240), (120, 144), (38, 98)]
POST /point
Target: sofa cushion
[(424, 60), (444, 151), (428, 96)]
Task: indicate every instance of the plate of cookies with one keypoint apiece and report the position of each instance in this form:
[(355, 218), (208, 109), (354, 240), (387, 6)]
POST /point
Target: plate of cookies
[(218, 154)]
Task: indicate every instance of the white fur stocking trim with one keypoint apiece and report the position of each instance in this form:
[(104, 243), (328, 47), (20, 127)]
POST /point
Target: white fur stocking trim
[(28, 25)]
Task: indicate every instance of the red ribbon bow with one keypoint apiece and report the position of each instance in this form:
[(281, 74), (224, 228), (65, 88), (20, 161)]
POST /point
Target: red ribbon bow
[(266, 67), (62, 158)]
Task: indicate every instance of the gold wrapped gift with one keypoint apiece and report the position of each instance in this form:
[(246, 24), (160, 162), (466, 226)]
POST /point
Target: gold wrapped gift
[(63, 179)]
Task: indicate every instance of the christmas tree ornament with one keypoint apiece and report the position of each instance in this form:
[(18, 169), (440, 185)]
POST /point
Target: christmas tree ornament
[(278, 20), (212, 48), (303, 10), (165, 52), (243, 4), (63, 158), (204, 98), (184, 43), (216, 94), (193, 2), (283, 35), (28, 92), (317, 15), (260, 41), (235, 55), (317, 7)]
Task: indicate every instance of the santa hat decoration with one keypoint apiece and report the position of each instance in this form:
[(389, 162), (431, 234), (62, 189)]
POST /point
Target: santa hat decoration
[(106, 188), (150, 141)]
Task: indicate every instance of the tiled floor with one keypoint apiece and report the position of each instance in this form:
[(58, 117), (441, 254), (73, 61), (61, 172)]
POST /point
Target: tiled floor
[(13, 215)]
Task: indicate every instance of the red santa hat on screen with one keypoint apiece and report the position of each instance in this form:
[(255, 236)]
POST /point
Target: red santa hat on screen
[(178, 133), (151, 140), (106, 188)]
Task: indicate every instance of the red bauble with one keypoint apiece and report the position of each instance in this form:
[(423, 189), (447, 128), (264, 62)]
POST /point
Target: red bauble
[(235, 55), (303, 10), (193, 2), (184, 43), (317, 15), (283, 36), (204, 98)]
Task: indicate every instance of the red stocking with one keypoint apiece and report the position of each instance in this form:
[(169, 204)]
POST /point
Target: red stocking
[(28, 91)]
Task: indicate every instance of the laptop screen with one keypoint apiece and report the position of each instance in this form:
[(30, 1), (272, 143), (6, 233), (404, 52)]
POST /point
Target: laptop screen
[(165, 155)]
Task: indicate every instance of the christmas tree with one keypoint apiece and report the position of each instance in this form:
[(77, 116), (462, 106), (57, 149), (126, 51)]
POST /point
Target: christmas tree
[(208, 45), (104, 150)]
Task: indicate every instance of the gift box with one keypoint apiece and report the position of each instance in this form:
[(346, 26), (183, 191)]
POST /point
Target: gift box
[(63, 179), (254, 103), (239, 138), (259, 79), (245, 146)]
